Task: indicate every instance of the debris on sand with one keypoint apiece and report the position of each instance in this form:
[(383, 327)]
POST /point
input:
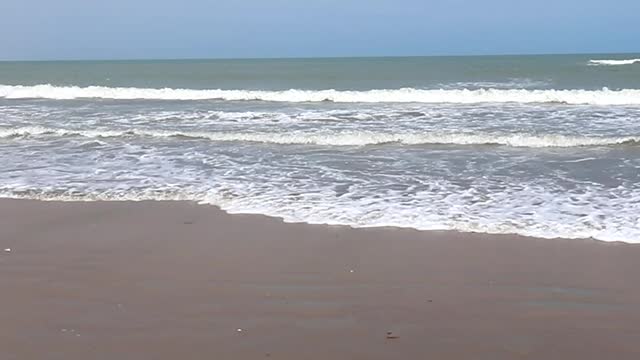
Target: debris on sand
[(391, 335)]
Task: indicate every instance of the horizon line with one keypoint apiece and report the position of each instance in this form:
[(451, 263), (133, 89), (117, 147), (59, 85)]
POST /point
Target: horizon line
[(313, 57)]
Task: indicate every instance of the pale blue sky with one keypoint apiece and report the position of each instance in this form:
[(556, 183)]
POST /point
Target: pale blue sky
[(107, 29)]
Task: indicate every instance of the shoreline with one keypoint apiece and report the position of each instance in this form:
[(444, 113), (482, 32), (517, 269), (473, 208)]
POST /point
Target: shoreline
[(164, 280), (282, 220)]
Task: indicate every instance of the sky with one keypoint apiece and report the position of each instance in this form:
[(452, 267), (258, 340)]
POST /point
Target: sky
[(138, 29)]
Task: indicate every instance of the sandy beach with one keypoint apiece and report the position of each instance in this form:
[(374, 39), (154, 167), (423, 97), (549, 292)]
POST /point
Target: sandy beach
[(176, 280)]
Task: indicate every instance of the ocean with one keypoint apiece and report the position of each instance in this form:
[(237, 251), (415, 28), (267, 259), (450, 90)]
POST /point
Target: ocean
[(545, 146)]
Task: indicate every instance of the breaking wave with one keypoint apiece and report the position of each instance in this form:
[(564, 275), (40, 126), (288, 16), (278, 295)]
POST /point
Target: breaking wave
[(406, 95), (338, 138), (614, 62)]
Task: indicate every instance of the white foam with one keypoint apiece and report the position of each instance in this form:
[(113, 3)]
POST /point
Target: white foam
[(614, 62), (407, 95), (39, 131), (531, 209), (339, 138)]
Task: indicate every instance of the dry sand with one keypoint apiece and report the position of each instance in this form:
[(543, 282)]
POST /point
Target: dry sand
[(173, 280)]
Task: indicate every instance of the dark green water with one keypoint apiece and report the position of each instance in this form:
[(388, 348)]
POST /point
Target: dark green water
[(539, 72)]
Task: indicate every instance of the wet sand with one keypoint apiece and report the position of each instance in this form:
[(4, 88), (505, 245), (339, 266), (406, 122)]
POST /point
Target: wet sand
[(174, 280)]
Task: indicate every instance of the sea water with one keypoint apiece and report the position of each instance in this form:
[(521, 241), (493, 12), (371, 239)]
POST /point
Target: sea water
[(546, 146)]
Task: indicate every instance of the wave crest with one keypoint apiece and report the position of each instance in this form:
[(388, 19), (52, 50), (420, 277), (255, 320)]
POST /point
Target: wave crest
[(405, 95), (345, 138), (614, 62)]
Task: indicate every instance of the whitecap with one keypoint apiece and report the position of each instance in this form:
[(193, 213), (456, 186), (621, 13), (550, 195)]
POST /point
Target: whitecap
[(405, 95)]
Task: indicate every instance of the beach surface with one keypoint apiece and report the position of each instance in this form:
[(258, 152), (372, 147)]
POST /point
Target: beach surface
[(176, 280)]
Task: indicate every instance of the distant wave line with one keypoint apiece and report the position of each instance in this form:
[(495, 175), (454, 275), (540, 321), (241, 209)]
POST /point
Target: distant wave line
[(405, 95)]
